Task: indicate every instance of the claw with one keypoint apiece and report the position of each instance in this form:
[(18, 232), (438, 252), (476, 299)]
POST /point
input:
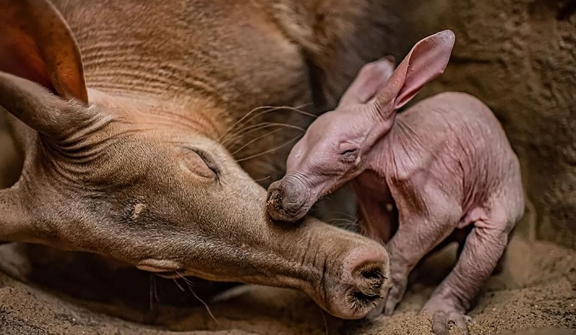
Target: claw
[(376, 312), (395, 295), (443, 320), (390, 307)]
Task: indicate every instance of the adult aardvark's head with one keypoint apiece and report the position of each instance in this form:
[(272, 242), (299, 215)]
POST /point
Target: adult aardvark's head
[(137, 182)]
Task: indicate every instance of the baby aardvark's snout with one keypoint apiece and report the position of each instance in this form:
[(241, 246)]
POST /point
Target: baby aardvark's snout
[(288, 200)]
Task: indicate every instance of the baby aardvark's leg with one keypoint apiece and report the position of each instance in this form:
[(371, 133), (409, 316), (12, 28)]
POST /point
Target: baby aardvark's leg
[(482, 250), (375, 219), (421, 228)]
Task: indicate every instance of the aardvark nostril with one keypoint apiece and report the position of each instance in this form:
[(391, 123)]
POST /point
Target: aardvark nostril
[(369, 279), (274, 200), (283, 206), (367, 268)]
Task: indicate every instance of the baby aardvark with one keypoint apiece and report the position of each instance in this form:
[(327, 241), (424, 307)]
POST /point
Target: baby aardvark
[(445, 163)]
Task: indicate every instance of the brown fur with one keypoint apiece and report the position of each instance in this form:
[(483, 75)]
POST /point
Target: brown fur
[(131, 149)]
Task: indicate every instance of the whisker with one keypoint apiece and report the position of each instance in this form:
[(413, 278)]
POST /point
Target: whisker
[(297, 109), (280, 124), (229, 177), (325, 321), (233, 132), (348, 227), (347, 215), (156, 295), (270, 109), (179, 286), (262, 179), (189, 283), (362, 230), (269, 151), (244, 120), (233, 126), (344, 225), (263, 125), (254, 140), (342, 221), (267, 109), (152, 282)]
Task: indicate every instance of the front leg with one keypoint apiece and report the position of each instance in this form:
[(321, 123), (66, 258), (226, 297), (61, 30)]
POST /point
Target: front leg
[(426, 219), (482, 250), (415, 238), (376, 219), (377, 216)]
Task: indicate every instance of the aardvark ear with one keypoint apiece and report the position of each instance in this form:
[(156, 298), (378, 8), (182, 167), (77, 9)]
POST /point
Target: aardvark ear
[(426, 61), (41, 72), (369, 81)]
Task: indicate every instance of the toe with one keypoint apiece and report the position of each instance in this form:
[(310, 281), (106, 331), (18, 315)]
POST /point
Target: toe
[(442, 321), (458, 320), (390, 306), (376, 312), (394, 297)]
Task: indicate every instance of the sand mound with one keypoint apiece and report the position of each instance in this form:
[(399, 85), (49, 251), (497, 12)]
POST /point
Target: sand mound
[(537, 290)]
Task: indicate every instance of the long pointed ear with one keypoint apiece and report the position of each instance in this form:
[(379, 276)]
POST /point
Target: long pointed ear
[(39, 109), (426, 61), (369, 81), (37, 44)]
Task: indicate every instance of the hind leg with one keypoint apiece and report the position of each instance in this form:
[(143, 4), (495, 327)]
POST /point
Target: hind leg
[(501, 262), (481, 252)]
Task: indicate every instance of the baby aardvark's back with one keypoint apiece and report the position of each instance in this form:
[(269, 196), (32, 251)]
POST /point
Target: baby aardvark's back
[(460, 142)]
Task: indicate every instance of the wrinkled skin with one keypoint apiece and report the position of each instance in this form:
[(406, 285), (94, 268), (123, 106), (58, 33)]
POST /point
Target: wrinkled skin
[(127, 157), (443, 170)]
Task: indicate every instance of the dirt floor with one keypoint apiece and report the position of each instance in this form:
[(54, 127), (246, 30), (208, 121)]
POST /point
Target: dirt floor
[(537, 290)]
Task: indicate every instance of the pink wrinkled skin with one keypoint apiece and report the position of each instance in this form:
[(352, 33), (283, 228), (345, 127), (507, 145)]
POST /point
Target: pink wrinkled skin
[(441, 171)]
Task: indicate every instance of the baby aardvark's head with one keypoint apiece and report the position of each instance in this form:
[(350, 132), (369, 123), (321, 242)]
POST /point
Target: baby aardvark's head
[(338, 146)]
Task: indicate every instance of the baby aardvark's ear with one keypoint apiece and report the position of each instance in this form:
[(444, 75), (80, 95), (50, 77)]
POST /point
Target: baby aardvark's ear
[(370, 80), (426, 61), (382, 90)]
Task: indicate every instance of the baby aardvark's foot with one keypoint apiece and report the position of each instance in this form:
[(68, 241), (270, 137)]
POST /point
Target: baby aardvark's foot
[(398, 283), (444, 316)]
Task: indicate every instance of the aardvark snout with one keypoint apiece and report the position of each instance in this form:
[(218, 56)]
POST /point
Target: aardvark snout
[(287, 200), (365, 271), (355, 269)]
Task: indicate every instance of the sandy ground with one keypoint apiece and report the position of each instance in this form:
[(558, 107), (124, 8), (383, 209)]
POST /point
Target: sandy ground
[(537, 291)]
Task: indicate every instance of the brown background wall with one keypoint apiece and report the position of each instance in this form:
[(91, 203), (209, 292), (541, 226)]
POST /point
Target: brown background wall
[(519, 57)]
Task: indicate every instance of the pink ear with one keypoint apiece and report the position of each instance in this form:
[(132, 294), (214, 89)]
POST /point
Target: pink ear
[(369, 81), (426, 61)]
